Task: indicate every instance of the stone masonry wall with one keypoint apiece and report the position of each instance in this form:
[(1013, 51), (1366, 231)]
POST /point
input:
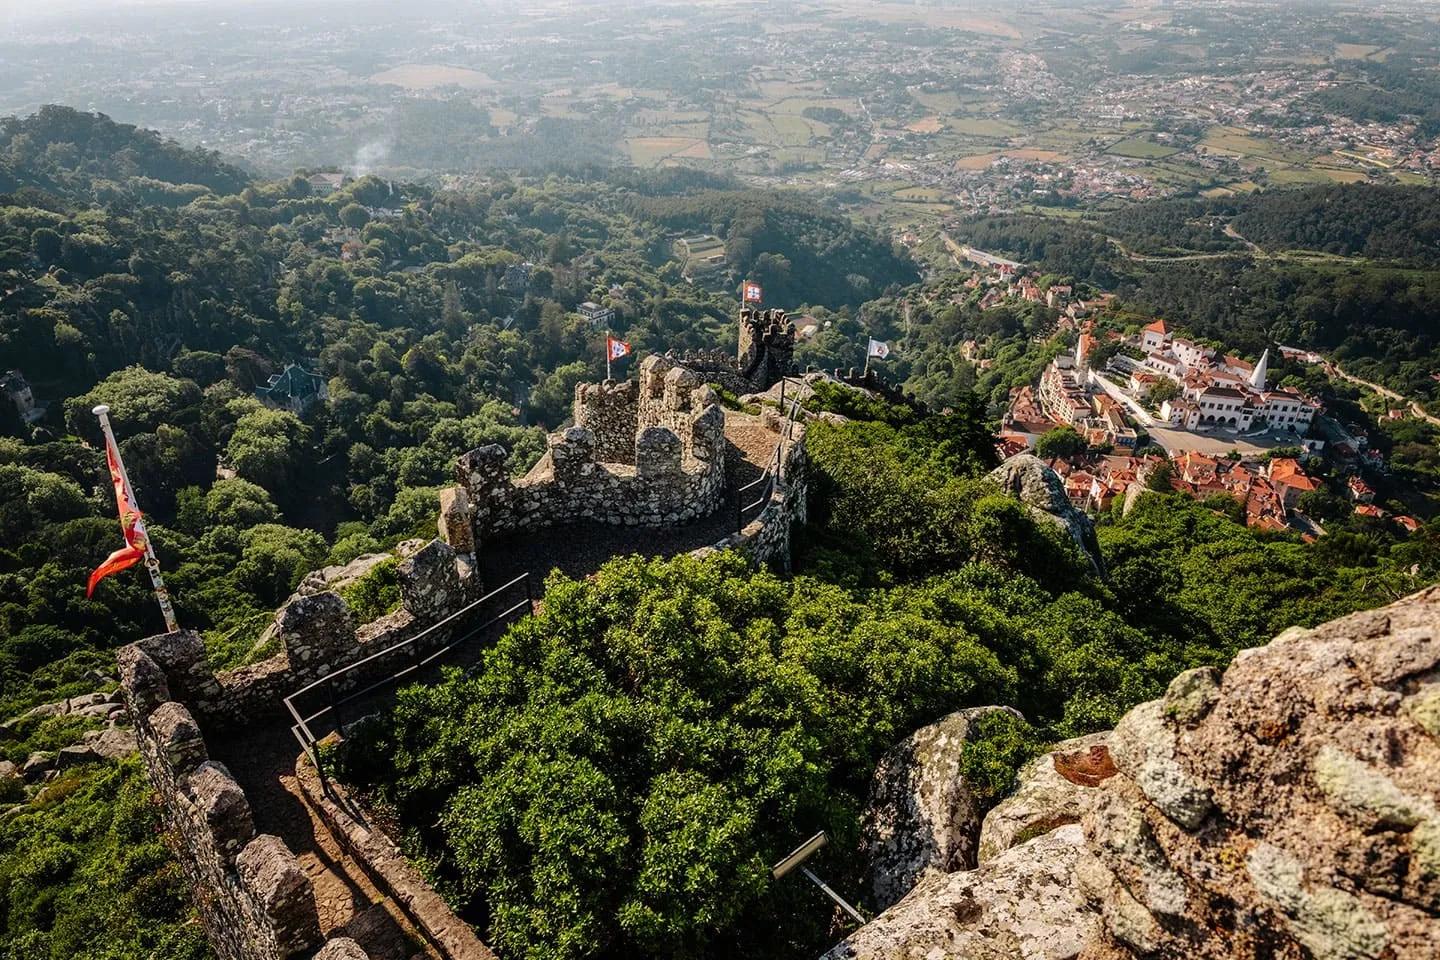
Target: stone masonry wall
[(610, 411), (253, 897), (766, 538), (255, 901), (674, 470), (318, 635)]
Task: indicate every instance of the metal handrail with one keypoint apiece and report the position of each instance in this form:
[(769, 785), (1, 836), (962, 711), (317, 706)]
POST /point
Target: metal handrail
[(774, 467), (301, 728)]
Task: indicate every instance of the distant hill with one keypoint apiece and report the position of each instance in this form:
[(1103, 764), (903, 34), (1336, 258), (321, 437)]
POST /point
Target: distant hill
[(87, 155), (1392, 223), (1379, 222), (800, 252)]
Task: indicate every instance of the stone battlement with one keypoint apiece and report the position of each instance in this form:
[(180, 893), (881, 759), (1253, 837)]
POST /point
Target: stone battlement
[(767, 346), (872, 381), (253, 897), (317, 635), (640, 454)]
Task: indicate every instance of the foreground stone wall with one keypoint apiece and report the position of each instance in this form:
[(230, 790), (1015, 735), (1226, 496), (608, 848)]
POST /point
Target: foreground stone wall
[(255, 901), (317, 635), (253, 897), (1287, 807)]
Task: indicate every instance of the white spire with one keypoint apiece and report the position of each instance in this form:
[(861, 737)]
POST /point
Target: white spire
[(1257, 378)]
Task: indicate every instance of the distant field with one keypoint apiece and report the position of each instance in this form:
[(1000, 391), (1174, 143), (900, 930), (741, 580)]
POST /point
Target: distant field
[(927, 125), (1237, 141), (945, 102), (944, 17), (775, 90), (781, 129), (1141, 148), (982, 160), (798, 105), (984, 127), (649, 151), (1354, 51), (920, 194), (418, 76), (1316, 175)]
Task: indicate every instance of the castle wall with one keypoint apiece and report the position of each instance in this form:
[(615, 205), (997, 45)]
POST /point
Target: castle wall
[(318, 635), (673, 471), (253, 897), (610, 411), (766, 538), (389, 870)]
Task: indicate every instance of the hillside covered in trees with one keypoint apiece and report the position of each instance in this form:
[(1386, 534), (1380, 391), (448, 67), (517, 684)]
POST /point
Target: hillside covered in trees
[(797, 253), (618, 775), (659, 734)]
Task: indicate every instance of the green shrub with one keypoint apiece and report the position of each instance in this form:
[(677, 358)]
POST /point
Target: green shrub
[(376, 593)]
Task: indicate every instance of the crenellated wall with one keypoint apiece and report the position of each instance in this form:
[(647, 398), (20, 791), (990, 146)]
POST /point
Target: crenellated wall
[(253, 897), (766, 538), (255, 901), (644, 454), (317, 635), (610, 411)]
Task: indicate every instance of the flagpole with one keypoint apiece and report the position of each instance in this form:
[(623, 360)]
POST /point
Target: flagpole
[(607, 356), (152, 564)]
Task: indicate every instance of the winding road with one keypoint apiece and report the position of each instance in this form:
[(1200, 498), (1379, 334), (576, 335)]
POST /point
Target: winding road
[(1333, 368)]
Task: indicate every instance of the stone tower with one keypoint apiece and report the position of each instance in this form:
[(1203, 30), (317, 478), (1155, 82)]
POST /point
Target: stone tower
[(767, 346)]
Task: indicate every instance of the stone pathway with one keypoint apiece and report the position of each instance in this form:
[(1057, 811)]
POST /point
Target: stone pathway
[(263, 763)]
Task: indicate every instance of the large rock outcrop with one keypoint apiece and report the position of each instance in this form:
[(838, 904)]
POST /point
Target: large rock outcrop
[(1288, 807), (922, 817), (1030, 480)]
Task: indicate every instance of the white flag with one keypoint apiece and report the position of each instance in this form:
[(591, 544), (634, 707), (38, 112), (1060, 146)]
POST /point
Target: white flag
[(878, 349)]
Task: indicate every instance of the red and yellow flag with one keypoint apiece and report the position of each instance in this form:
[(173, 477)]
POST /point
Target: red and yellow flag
[(132, 527)]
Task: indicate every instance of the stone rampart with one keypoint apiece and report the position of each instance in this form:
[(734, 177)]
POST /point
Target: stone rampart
[(610, 412), (766, 538), (673, 470), (255, 901), (317, 635), (253, 897), (875, 383), (388, 868)]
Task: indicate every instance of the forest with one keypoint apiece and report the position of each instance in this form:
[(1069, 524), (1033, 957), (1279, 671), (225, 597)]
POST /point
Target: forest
[(1387, 90), (797, 254)]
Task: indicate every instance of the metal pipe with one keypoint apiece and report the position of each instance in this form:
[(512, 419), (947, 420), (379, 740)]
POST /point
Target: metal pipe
[(824, 888)]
